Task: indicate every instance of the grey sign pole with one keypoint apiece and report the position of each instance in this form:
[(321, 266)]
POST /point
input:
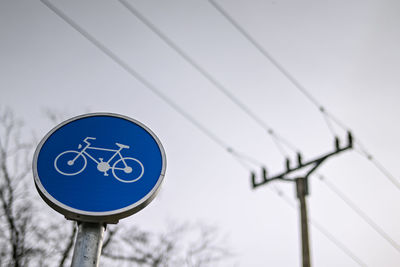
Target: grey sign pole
[(88, 245)]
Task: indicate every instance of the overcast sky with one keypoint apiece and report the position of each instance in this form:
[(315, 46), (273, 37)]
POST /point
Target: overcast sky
[(345, 53)]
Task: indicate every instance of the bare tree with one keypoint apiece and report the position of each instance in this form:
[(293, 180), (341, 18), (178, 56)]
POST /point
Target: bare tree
[(191, 245), (16, 208), (30, 237), (27, 236)]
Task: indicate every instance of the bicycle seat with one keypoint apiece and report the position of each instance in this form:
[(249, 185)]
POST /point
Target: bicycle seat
[(121, 145)]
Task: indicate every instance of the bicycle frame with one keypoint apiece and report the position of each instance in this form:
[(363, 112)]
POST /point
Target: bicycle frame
[(83, 151), (122, 163)]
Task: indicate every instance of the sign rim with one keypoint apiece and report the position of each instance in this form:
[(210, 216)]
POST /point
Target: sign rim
[(92, 216)]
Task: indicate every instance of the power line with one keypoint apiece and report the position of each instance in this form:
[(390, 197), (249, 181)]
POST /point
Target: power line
[(322, 230), (210, 78), (243, 163), (329, 122), (173, 45), (265, 53), (238, 156), (363, 152), (339, 244), (360, 213), (327, 115), (154, 89)]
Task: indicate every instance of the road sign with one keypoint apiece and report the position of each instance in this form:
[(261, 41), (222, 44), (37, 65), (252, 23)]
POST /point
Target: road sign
[(99, 167)]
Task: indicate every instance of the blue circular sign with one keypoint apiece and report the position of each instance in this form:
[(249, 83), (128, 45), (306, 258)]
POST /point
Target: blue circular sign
[(99, 167)]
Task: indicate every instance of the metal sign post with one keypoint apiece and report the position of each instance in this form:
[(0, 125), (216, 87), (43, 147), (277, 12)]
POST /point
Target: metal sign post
[(97, 169), (88, 245)]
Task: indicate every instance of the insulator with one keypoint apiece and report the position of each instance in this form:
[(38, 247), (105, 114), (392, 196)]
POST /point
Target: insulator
[(337, 143), (287, 164), (253, 179), (350, 138), (299, 159), (264, 173)]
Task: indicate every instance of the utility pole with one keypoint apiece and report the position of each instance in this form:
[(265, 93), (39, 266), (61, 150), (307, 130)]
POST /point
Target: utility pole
[(302, 188), (302, 192)]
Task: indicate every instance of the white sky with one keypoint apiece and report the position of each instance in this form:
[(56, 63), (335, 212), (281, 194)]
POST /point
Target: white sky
[(344, 52)]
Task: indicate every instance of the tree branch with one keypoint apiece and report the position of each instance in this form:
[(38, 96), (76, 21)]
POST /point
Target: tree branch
[(67, 250)]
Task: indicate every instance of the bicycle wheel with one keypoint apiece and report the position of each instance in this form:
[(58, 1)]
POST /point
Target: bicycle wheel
[(127, 170), (67, 163)]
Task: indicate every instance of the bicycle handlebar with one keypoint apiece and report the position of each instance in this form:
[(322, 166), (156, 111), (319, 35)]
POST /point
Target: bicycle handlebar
[(87, 138)]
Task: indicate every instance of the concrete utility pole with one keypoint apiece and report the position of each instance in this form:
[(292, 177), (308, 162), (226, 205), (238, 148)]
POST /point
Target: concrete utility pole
[(302, 192), (302, 189)]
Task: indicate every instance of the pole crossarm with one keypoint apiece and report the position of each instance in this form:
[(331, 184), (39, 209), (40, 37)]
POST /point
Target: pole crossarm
[(315, 163), (302, 188)]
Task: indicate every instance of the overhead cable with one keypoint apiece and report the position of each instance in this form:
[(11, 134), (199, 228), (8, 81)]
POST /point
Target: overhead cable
[(364, 153), (276, 137), (143, 80), (264, 52), (322, 229), (155, 90), (327, 115), (360, 213)]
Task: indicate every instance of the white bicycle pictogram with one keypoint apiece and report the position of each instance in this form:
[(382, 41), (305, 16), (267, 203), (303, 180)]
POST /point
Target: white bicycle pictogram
[(124, 169)]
